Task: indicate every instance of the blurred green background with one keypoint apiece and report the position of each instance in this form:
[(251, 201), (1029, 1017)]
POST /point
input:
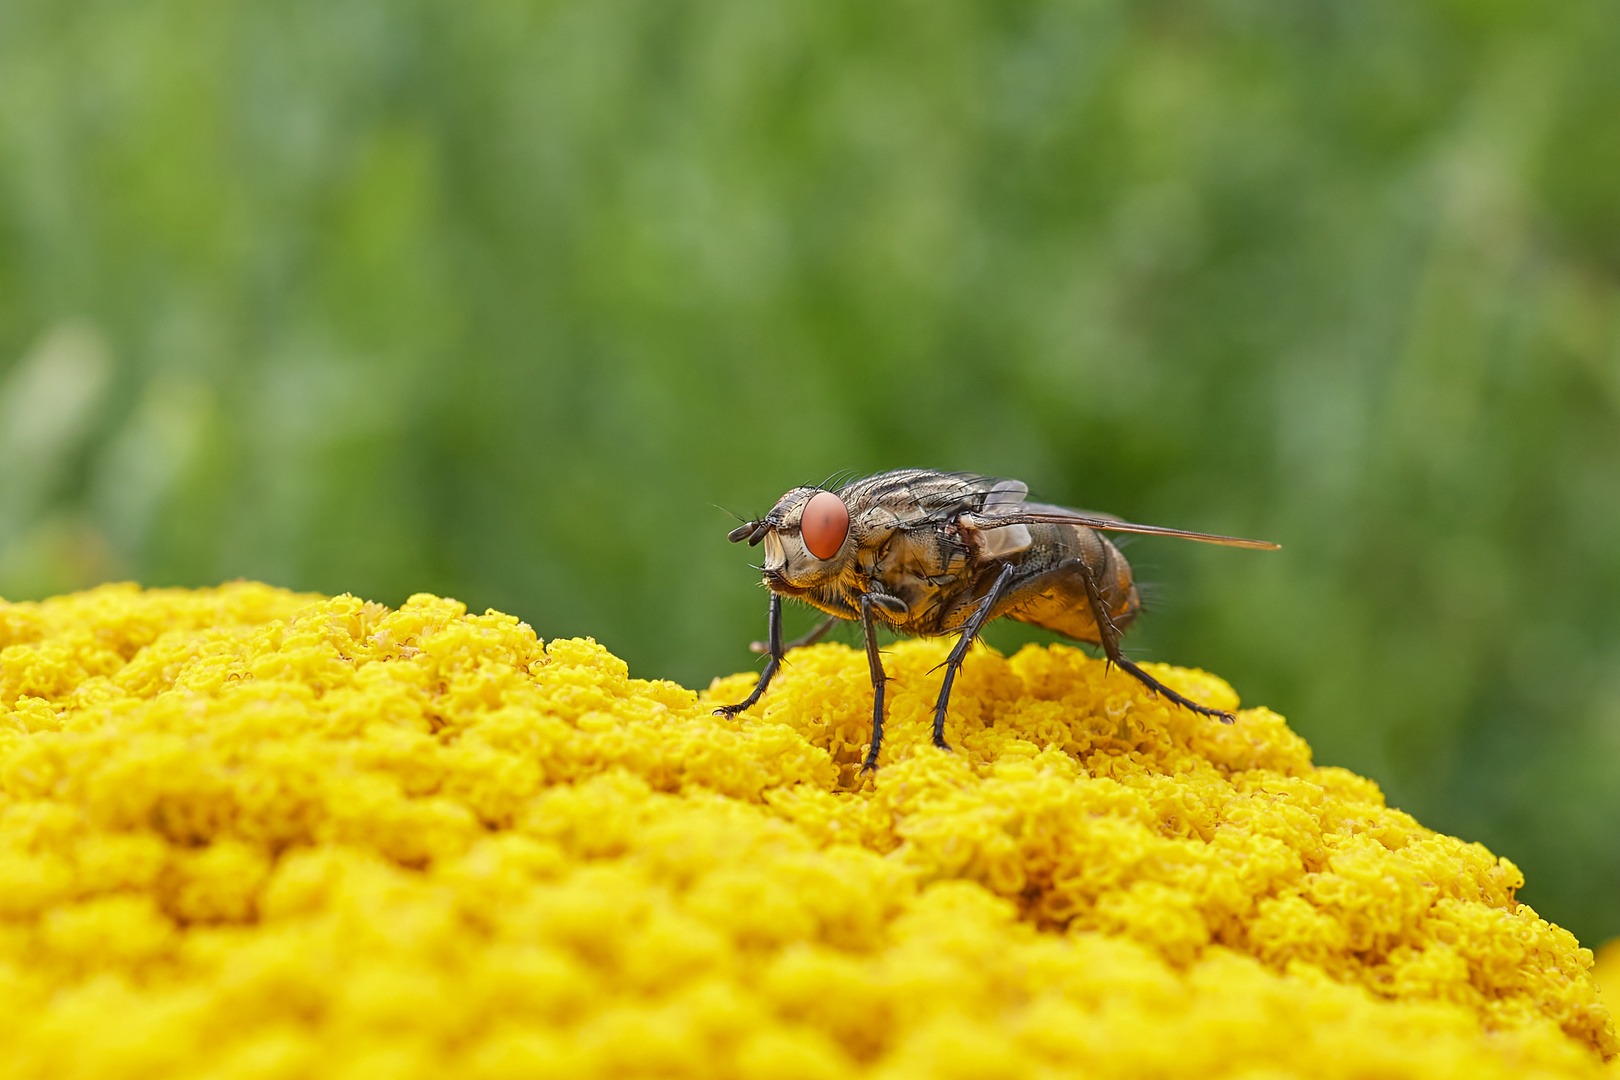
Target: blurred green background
[(497, 300)]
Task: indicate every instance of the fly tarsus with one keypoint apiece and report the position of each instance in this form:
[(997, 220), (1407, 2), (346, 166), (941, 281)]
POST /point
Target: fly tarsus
[(765, 677), (1158, 687)]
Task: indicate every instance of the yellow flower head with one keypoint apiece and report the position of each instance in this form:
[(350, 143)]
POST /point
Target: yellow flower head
[(249, 833)]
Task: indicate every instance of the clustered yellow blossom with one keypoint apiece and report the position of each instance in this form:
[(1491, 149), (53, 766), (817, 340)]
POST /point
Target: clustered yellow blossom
[(251, 834)]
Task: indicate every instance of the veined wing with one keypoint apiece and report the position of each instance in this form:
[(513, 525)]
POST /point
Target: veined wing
[(1057, 515)]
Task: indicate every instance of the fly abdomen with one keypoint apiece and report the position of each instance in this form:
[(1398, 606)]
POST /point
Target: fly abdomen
[(1052, 595)]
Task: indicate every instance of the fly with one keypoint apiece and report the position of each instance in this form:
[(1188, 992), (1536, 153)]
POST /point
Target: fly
[(933, 553)]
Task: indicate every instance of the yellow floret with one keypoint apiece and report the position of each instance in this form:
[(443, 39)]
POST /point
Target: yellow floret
[(249, 833)]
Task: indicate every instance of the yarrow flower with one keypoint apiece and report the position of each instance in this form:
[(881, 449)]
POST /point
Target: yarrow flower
[(251, 833)]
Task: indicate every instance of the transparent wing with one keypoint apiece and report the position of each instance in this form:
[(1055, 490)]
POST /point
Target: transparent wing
[(1089, 521)]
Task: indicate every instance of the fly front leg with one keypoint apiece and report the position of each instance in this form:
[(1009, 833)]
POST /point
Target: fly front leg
[(875, 662), (773, 633), (970, 630), (1108, 634)]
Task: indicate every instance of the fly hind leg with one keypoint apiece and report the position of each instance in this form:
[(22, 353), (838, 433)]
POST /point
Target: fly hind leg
[(1109, 635), (815, 635)]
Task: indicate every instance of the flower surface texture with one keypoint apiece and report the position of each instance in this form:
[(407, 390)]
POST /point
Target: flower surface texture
[(250, 833)]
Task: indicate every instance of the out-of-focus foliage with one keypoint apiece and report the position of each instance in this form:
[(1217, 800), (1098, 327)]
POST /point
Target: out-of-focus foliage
[(497, 299)]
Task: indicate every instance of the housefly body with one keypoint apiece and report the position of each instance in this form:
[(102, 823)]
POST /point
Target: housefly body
[(934, 553)]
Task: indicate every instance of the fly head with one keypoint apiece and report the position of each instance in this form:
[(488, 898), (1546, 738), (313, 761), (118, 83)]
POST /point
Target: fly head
[(806, 537)]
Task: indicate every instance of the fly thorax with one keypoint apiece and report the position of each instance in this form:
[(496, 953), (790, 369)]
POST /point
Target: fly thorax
[(911, 566)]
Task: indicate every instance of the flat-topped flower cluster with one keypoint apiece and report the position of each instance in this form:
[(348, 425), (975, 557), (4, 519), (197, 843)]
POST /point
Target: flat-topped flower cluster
[(249, 833)]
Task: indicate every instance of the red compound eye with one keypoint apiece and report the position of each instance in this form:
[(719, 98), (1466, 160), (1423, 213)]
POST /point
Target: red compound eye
[(824, 524)]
